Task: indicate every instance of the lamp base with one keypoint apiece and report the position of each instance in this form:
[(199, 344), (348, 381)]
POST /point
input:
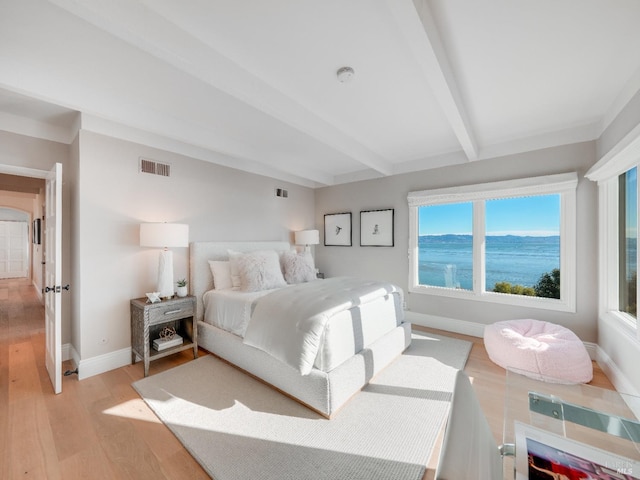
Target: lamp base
[(165, 274)]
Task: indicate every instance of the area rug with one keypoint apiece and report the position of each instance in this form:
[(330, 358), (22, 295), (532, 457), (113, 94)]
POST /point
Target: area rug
[(236, 427)]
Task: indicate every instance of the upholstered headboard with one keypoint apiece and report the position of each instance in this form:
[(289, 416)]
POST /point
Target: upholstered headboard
[(200, 253)]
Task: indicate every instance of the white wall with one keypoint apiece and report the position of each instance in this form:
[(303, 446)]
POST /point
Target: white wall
[(218, 203), (392, 263)]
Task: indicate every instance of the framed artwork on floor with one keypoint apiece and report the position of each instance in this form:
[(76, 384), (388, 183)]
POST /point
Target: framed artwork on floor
[(376, 228), (540, 454), (337, 229)]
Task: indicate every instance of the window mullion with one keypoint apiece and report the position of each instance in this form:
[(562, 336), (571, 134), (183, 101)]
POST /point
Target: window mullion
[(479, 247)]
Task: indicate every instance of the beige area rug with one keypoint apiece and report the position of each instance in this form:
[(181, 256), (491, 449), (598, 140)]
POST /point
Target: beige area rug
[(238, 428)]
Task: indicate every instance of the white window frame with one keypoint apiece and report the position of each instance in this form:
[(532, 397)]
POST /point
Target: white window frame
[(564, 184), (606, 173)]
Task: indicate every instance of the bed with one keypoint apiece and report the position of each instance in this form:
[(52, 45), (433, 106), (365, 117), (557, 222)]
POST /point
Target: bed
[(349, 345)]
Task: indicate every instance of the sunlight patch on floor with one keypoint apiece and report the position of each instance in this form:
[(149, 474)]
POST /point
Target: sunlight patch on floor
[(135, 409)]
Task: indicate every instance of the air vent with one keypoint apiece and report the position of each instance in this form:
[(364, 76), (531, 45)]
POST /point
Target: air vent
[(281, 192), (155, 168)]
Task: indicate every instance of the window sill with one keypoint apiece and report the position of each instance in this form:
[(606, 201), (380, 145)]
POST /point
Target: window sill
[(496, 298)]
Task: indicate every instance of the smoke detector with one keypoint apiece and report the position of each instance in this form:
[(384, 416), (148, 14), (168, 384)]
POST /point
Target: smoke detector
[(345, 74)]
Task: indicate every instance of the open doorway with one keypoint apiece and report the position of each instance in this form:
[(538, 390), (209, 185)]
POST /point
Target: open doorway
[(21, 211), (22, 312), (40, 192)]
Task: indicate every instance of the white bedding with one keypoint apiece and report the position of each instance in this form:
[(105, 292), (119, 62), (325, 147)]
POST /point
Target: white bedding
[(230, 309), (365, 312), (325, 389)]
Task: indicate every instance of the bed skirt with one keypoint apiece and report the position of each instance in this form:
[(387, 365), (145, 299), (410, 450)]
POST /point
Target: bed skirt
[(324, 392)]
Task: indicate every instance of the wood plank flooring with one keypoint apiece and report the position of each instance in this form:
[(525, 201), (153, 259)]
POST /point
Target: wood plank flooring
[(99, 428)]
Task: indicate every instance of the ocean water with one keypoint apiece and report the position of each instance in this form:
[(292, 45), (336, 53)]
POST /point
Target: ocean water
[(446, 260)]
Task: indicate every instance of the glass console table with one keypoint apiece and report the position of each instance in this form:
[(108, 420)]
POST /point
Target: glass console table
[(569, 432)]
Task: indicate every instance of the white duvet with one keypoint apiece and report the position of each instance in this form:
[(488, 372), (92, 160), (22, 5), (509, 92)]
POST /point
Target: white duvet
[(303, 311), (231, 309)]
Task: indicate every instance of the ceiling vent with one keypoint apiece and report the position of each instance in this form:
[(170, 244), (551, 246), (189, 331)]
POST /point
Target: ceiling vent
[(155, 168)]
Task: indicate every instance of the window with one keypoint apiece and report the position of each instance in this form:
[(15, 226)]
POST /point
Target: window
[(505, 242), (617, 177), (445, 245), (627, 239)]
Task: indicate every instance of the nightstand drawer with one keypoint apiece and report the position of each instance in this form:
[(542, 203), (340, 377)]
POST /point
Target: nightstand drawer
[(166, 313)]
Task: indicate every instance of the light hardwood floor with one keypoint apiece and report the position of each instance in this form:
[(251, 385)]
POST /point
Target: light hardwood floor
[(99, 428)]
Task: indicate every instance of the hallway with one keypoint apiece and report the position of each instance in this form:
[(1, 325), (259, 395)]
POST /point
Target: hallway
[(21, 313), (98, 428)]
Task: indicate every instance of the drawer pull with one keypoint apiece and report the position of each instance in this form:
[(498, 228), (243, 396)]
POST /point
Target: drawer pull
[(171, 312)]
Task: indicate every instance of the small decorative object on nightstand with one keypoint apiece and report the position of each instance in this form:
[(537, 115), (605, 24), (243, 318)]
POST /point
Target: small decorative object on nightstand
[(162, 328), (181, 289)]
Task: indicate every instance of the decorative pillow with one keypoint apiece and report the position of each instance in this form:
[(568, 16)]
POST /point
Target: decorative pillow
[(259, 271), (233, 265), (298, 267), (221, 271)]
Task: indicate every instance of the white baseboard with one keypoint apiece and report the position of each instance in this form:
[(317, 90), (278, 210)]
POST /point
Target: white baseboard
[(473, 329), (102, 363), (447, 324), (611, 370)]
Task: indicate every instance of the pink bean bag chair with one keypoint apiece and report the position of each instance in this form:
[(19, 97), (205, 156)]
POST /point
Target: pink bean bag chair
[(540, 350)]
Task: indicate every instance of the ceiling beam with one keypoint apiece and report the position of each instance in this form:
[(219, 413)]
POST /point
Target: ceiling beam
[(137, 24), (416, 22)]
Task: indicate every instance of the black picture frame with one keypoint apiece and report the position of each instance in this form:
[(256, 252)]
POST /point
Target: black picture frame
[(377, 228), (37, 231), (337, 229)]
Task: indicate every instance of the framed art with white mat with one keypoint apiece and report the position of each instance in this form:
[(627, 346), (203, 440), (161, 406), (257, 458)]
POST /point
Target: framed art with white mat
[(376, 228), (337, 229), (541, 454)]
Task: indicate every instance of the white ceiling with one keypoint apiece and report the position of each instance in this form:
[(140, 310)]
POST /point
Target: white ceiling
[(252, 83)]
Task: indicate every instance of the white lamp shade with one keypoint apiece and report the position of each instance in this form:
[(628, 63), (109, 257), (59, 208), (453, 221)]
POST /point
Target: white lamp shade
[(164, 235), (307, 237)]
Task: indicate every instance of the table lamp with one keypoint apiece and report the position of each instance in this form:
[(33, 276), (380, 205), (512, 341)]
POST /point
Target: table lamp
[(165, 236), (306, 238)]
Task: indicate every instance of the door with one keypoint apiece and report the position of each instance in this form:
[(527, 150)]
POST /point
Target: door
[(14, 242), (53, 276)]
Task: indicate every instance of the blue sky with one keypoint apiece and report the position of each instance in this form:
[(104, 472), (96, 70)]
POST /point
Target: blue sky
[(535, 216), (632, 203)]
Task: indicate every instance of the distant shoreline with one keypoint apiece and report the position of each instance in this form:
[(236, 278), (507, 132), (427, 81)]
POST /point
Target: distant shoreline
[(468, 235), (447, 260)]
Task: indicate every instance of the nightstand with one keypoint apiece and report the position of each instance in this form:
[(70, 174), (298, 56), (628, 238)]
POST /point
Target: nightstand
[(149, 319)]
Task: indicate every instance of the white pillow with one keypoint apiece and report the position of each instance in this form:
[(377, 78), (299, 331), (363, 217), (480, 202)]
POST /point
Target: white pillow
[(259, 271), (298, 267), (221, 271), (233, 264)]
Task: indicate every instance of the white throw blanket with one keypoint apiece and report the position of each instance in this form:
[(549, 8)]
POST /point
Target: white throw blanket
[(289, 324)]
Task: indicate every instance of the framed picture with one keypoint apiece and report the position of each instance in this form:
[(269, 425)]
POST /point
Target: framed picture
[(539, 451), (337, 229), (376, 228)]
